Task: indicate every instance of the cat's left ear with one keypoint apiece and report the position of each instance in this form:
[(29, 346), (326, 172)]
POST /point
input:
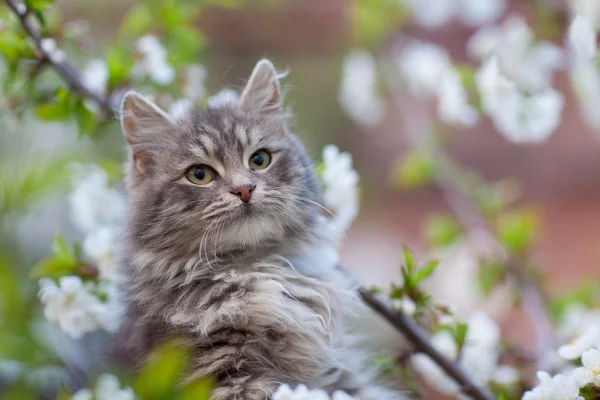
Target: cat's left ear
[(262, 93)]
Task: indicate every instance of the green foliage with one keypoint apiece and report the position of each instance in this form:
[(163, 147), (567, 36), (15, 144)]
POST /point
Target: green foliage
[(64, 261), (375, 19), (413, 170), (489, 275), (38, 5), (587, 294), (60, 109), (413, 276), (516, 230), (442, 230), (160, 376), (28, 185)]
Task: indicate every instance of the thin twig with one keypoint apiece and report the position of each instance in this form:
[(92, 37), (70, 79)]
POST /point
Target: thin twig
[(448, 180), (422, 344), (62, 68)]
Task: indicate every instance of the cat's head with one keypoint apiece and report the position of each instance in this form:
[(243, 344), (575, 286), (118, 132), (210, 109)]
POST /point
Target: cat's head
[(224, 178)]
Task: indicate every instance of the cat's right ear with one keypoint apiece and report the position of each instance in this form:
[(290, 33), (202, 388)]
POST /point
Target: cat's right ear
[(142, 123)]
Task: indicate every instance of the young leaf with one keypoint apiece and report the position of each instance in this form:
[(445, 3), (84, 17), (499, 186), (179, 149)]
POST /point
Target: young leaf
[(200, 389), (425, 272), (516, 230), (53, 268), (441, 230), (62, 250), (160, 375), (86, 120), (413, 170)]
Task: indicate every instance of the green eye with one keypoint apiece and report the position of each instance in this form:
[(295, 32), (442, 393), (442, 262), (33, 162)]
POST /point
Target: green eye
[(259, 160), (200, 174)]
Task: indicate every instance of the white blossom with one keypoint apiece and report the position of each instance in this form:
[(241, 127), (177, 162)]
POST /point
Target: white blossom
[(432, 13), (225, 97), (590, 371), (505, 375), (50, 47), (95, 75), (94, 204), (558, 387), (577, 319), (520, 117), (477, 12), (358, 95), (431, 371), (301, 392), (529, 119), (194, 81), (582, 38), (589, 8), (21, 8), (340, 192), (480, 352), (576, 347), (436, 13), (423, 67), (406, 305), (101, 247), (181, 108), (77, 306), (453, 102), (585, 78), (529, 64), (107, 387), (152, 61)]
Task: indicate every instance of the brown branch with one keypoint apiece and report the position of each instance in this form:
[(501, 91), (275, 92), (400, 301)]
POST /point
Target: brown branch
[(448, 179), (422, 344), (62, 68)]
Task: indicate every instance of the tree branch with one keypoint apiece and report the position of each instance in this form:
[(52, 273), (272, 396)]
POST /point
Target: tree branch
[(422, 344), (62, 68), (453, 189)]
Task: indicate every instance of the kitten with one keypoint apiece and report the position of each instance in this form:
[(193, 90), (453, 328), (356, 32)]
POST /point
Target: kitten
[(227, 247)]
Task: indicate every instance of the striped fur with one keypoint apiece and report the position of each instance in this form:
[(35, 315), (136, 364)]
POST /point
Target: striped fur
[(254, 289)]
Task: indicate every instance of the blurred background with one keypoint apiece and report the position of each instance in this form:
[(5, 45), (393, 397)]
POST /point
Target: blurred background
[(310, 38)]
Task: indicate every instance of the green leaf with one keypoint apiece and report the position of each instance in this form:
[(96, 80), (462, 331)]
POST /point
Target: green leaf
[(409, 260), (58, 110), (489, 276), (441, 230), (160, 375), (53, 268), (86, 120), (62, 250), (14, 47), (200, 389), (375, 19), (587, 294), (413, 170), (516, 230), (425, 272), (137, 21), (119, 62), (38, 5), (460, 333)]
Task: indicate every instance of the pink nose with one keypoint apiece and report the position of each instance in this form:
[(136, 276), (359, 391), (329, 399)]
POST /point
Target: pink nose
[(244, 192)]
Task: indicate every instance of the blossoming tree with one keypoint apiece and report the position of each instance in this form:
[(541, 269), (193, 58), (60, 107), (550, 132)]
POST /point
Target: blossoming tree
[(509, 80)]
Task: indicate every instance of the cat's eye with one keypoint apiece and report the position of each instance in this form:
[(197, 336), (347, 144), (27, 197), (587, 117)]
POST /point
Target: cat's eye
[(259, 160), (200, 174)]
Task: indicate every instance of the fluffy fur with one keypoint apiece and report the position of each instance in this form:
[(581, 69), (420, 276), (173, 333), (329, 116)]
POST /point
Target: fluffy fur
[(252, 286)]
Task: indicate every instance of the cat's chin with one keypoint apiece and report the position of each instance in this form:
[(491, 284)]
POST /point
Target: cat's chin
[(250, 229)]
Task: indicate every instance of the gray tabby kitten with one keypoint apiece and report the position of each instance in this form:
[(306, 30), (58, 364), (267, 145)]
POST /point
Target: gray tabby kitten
[(226, 246)]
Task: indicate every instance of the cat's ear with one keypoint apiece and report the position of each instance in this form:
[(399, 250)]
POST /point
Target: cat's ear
[(142, 122), (262, 93)]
